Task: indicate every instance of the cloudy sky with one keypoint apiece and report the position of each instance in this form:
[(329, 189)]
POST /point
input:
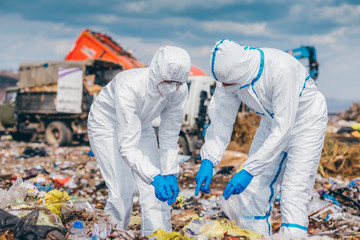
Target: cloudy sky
[(47, 29)]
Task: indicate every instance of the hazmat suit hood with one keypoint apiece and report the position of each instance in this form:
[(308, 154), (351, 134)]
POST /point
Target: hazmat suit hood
[(234, 63), (171, 64)]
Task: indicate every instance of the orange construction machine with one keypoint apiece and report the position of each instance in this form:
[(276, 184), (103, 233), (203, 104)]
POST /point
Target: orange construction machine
[(94, 45)]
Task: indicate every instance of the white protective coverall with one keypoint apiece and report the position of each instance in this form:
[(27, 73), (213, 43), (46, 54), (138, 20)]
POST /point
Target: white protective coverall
[(286, 149), (124, 142)]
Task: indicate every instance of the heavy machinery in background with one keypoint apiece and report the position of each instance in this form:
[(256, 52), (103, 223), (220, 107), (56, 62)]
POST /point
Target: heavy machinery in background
[(307, 52), (42, 111), (53, 99)]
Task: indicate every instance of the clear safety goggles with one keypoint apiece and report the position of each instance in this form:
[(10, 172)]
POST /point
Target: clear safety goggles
[(178, 84), (228, 84)]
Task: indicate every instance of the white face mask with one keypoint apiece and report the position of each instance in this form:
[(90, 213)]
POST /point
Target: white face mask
[(231, 88), (167, 89)]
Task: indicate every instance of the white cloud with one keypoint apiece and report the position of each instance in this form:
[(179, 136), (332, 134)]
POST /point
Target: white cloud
[(321, 11), (24, 40), (343, 14), (106, 18), (163, 5), (249, 29), (141, 50)]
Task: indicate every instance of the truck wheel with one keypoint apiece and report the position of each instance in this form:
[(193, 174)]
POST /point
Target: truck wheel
[(184, 148), (57, 133)]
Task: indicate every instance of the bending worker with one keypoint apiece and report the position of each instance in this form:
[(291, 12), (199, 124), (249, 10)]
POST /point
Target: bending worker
[(286, 149), (124, 142)]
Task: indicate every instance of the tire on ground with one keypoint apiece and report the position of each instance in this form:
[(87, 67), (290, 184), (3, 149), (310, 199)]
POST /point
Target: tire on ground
[(57, 133)]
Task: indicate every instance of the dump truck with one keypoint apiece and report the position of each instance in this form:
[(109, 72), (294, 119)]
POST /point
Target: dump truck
[(53, 99)]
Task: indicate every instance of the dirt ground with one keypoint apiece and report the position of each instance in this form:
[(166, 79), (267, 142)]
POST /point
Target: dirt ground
[(74, 170)]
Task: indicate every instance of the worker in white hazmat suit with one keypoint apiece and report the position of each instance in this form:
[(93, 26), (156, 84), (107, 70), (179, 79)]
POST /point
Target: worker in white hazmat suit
[(124, 142), (286, 149)]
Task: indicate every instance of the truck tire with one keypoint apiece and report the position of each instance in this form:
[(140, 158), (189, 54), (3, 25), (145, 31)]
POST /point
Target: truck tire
[(184, 148), (57, 133)]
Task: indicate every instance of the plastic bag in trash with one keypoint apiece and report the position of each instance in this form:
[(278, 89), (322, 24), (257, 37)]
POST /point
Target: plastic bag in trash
[(17, 193), (355, 182), (54, 201), (203, 228), (26, 228), (46, 217), (101, 230), (162, 235), (50, 186), (233, 211), (229, 207)]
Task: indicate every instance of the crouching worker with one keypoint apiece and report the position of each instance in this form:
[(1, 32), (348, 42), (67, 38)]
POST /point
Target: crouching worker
[(286, 149), (124, 142)]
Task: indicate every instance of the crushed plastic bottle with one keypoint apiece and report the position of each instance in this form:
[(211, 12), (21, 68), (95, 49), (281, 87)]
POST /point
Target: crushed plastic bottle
[(78, 231), (232, 210)]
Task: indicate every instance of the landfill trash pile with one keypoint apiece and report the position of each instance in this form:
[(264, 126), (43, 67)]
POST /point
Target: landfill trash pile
[(352, 114), (341, 152), (59, 193), (335, 208), (347, 123), (340, 156)]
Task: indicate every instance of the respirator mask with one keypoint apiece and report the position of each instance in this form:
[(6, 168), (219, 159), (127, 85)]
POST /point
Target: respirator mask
[(166, 88)]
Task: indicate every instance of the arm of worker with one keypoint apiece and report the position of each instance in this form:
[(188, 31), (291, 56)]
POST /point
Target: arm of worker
[(128, 127), (169, 129), (222, 111), (285, 99)]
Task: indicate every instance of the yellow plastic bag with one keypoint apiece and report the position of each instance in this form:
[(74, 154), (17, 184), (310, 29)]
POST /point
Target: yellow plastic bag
[(214, 229), (54, 201), (162, 235), (224, 225)]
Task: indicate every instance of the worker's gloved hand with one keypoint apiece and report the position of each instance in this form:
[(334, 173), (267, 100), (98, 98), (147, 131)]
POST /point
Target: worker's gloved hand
[(171, 179), (238, 183), (204, 175), (162, 188)]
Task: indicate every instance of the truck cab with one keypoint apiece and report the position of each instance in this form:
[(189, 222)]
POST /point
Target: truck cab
[(7, 110)]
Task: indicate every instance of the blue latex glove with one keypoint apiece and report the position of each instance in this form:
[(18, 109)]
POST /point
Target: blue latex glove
[(238, 183), (171, 179), (204, 175), (162, 188)]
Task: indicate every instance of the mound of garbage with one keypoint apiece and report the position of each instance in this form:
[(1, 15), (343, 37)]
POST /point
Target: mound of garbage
[(59, 193)]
